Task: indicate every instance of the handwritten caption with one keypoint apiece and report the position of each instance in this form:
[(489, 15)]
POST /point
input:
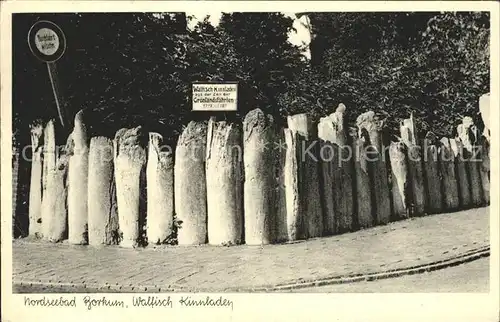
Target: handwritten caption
[(93, 302)]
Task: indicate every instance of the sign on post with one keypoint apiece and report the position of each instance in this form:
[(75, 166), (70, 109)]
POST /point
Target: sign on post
[(47, 43), (215, 96)]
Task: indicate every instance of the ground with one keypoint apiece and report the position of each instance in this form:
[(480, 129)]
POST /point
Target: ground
[(342, 262), (469, 277)]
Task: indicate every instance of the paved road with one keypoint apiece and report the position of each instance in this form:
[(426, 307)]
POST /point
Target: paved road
[(403, 244), (468, 277)]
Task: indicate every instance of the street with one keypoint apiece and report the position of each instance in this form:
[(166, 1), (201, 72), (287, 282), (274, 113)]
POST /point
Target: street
[(464, 278), (444, 238), (469, 277)]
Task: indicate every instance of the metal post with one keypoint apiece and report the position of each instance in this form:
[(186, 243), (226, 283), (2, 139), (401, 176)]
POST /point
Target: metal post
[(51, 67)]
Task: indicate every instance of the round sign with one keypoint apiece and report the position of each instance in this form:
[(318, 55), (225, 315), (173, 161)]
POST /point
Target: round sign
[(46, 41)]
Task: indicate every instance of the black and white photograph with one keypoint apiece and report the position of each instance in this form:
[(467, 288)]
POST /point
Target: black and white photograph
[(211, 151)]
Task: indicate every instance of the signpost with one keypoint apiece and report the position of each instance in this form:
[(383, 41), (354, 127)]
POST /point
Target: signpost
[(221, 96), (47, 42)]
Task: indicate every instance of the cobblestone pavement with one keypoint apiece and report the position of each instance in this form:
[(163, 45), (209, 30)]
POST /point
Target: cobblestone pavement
[(402, 244)]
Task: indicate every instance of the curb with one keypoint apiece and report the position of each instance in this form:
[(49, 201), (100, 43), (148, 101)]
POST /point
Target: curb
[(295, 284), (394, 273)]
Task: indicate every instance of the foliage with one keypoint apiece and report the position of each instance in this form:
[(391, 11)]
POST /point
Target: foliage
[(456, 47), (123, 69), (435, 65), (137, 68), (250, 48)]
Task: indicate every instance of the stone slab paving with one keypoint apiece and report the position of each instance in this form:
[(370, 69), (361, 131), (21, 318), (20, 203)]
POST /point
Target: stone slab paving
[(402, 244)]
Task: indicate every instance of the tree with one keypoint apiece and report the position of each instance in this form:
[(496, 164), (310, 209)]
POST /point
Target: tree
[(137, 68), (435, 65), (250, 48), (123, 69), (456, 50)]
